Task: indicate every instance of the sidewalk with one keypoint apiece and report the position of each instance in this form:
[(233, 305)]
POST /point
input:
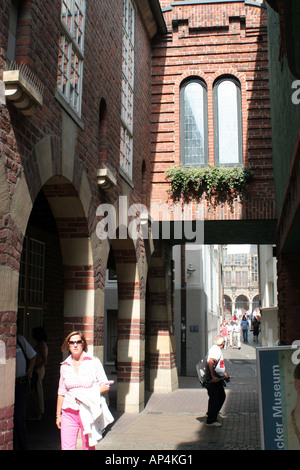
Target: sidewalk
[(176, 420)]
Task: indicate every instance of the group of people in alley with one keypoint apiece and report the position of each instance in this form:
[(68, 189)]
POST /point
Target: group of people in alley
[(236, 328)]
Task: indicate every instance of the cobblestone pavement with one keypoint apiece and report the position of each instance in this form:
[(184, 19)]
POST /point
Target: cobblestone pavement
[(176, 420)]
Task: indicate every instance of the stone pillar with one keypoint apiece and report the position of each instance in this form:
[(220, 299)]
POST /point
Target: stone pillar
[(9, 274), (131, 332), (161, 360)]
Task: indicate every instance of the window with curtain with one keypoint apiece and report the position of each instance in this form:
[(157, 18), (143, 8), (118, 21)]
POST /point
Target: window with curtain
[(71, 52), (228, 121), (193, 123)]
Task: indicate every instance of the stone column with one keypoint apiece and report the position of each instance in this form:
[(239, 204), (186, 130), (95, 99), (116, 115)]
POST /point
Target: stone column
[(161, 360), (131, 333)]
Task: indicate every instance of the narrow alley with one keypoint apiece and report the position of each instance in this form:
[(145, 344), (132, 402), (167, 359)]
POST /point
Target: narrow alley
[(176, 421)]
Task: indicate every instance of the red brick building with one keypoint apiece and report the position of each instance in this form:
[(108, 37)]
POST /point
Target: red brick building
[(73, 82), (96, 103), (213, 44)]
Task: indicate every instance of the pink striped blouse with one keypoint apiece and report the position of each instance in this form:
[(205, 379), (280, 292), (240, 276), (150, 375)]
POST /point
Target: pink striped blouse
[(91, 373)]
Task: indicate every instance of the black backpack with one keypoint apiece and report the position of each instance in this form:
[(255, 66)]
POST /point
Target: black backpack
[(203, 372)]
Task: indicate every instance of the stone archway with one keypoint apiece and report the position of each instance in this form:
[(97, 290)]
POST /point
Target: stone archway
[(77, 256)]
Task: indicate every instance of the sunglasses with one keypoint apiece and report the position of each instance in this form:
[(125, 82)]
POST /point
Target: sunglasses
[(72, 343)]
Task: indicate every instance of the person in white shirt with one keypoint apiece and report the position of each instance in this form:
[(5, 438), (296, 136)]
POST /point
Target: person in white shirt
[(237, 335), (215, 389), (82, 379)]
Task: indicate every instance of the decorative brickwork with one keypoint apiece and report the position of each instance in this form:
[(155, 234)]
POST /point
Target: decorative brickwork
[(209, 40), (131, 329), (79, 277), (130, 372)]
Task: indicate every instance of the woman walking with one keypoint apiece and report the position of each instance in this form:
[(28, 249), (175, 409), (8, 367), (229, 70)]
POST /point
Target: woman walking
[(82, 380)]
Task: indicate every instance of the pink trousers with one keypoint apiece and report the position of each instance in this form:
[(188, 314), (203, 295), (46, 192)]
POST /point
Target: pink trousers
[(70, 425)]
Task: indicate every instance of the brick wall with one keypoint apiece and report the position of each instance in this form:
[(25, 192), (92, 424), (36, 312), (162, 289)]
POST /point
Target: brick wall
[(288, 269), (96, 141), (37, 46), (208, 40), (6, 428)]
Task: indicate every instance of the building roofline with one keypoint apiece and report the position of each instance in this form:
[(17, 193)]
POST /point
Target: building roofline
[(203, 2), (158, 15)]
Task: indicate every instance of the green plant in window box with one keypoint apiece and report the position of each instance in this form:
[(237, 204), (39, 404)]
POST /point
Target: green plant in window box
[(216, 183)]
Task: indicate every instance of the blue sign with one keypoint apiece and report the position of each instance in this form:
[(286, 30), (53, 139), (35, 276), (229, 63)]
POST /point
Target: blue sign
[(279, 388)]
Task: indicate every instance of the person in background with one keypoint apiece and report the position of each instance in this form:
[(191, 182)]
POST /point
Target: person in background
[(236, 335), (41, 348), (256, 325), (245, 327), (230, 332), (25, 359), (224, 331)]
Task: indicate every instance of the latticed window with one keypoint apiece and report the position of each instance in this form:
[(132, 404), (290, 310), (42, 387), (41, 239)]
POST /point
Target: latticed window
[(31, 284), (193, 123), (126, 151), (228, 121), (71, 52), (254, 268)]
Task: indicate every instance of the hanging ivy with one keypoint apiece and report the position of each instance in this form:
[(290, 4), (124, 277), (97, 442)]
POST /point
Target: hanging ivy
[(216, 183)]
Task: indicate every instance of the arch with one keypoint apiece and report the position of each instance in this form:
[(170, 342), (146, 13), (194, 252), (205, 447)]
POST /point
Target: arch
[(227, 304), (69, 212), (55, 176), (242, 302)]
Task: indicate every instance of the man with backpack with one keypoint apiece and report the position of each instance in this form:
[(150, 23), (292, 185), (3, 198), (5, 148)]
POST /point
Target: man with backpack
[(215, 388)]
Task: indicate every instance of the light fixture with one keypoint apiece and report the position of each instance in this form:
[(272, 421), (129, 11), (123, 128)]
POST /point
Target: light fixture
[(106, 180)]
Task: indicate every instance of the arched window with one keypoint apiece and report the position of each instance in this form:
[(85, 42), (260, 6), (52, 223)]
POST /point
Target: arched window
[(228, 121), (193, 123)]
